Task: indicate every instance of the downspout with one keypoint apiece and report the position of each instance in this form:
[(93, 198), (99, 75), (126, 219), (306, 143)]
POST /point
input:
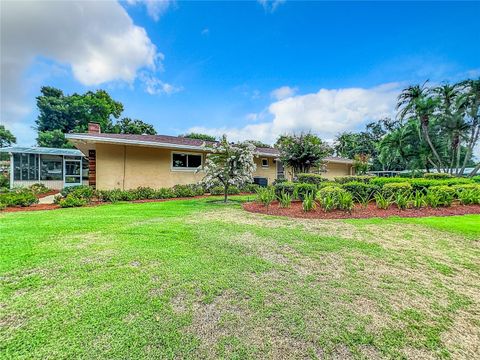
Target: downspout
[(11, 171), (124, 164)]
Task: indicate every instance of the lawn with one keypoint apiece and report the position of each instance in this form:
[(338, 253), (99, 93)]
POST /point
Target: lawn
[(196, 279)]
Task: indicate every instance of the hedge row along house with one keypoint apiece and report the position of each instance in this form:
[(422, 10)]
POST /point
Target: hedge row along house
[(124, 161)]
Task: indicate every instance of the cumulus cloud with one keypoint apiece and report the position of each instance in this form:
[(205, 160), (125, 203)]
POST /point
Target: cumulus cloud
[(326, 113), (270, 5), (283, 92), (155, 8), (98, 41)]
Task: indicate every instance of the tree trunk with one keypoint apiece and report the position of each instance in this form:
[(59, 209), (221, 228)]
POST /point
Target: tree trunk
[(439, 165), (475, 171), (471, 144), (225, 195)]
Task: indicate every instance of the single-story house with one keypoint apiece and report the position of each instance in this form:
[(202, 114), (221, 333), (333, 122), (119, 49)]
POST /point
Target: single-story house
[(126, 161), (55, 168)]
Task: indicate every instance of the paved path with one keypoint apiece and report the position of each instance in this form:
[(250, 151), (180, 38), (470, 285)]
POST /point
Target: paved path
[(47, 199)]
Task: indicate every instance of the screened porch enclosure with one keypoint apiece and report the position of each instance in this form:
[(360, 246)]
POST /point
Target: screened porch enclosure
[(55, 168)]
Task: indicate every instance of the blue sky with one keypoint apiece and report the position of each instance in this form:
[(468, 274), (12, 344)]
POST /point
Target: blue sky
[(248, 69)]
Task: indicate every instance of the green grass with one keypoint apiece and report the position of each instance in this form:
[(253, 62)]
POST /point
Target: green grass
[(198, 279)]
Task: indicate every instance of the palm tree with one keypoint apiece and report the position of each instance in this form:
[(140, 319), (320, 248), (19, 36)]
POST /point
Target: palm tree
[(416, 102), (472, 106)]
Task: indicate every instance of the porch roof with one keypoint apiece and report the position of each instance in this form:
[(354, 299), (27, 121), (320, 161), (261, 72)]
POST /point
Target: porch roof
[(41, 150)]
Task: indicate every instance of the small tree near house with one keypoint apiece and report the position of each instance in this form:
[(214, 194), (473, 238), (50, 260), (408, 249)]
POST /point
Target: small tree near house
[(229, 164)]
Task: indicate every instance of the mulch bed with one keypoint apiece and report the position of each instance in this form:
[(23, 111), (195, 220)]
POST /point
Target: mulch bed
[(35, 207), (359, 212)]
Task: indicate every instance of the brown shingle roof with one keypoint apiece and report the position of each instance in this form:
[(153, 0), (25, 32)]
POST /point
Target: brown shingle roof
[(178, 141)]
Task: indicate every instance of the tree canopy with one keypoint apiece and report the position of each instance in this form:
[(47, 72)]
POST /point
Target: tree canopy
[(302, 152), (199, 136), (60, 114), (6, 137)]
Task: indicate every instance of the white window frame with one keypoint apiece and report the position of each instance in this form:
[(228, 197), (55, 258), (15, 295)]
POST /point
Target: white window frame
[(172, 168), (268, 163)]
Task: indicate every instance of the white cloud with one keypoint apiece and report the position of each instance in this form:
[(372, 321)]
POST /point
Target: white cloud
[(270, 5), (155, 8), (154, 85), (205, 32), (326, 113), (283, 92), (98, 41)]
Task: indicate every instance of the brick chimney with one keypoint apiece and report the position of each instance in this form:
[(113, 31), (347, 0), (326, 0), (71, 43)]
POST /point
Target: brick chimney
[(94, 128)]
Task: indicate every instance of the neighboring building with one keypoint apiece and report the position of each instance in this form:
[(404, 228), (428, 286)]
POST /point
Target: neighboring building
[(126, 161), (121, 161), (55, 168)]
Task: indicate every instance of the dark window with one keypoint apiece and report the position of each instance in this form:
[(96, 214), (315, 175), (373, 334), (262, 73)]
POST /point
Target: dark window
[(25, 167), (186, 160), (265, 162), (51, 167)]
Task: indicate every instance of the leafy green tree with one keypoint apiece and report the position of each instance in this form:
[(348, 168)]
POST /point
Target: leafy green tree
[(67, 113), (53, 138), (129, 126), (6, 137), (302, 152), (199, 136), (229, 164), (258, 144)]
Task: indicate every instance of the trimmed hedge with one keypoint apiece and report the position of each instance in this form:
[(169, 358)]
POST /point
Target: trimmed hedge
[(286, 187), (420, 184), (437, 176), (360, 190), (311, 179), (393, 189), (302, 190), (21, 197), (476, 178), (350, 178)]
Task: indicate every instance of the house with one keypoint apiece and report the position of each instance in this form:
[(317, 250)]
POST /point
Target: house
[(125, 161), (55, 168)]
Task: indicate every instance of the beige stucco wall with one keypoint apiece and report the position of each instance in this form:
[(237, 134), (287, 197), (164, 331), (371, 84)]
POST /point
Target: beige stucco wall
[(128, 167), (337, 169)]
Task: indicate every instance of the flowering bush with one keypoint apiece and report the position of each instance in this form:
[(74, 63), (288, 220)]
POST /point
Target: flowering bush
[(229, 164)]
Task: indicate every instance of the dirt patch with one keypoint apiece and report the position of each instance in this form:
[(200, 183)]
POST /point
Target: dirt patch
[(35, 207), (359, 212)]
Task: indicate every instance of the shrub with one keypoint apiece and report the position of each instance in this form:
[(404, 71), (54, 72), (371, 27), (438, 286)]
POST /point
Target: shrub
[(328, 183), (402, 200), (469, 196), (445, 194), (266, 195), (164, 193), (476, 178), (421, 184), (393, 189), (382, 201), (437, 176), (301, 190), (350, 178), (219, 190), (111, 195), (309, 202), (418, 200), (334, 197), (189, 190), (284, 187), (360, 190), (285, 200), (39, 188), (21, 197), (249, 188), (72, 201), (4, 181), (433, 199), (3, 206), (143, 193), (81, 191), (311, 178)]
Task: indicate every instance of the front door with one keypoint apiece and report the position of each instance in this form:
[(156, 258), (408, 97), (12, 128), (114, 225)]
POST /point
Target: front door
[(72, 172)]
